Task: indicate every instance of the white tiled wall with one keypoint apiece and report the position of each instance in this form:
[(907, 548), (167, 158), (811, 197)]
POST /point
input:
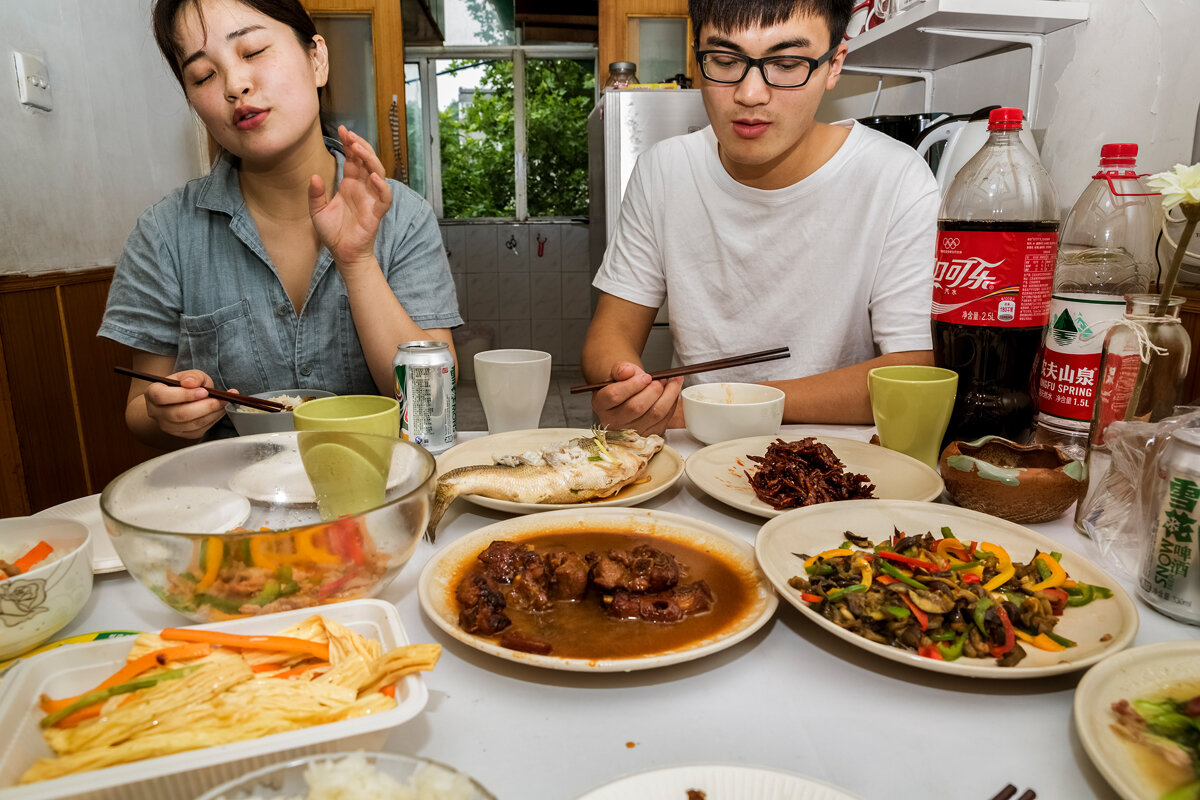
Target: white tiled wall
[(525, 284)]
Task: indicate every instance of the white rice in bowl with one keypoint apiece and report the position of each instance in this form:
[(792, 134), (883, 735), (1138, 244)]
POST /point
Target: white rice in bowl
[(352, 778), (289, 401)]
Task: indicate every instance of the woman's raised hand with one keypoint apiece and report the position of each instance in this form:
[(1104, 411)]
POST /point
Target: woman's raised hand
[(184, 411), (347, 222)]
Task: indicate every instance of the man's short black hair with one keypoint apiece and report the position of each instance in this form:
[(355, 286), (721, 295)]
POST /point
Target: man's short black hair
[(738, 15)]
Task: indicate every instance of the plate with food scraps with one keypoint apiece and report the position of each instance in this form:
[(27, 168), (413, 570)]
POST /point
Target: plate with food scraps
[(87, 511), (204, 745), (650, 610), (1150, 680), (716, 781), (719, 470), (1094, 628), (662, 471)]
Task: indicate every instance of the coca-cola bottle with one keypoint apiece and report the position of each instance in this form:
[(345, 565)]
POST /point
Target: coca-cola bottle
[(1105, 252), (996, 247)]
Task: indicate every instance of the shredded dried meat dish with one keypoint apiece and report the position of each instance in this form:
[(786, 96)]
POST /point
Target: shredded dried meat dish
[(803, 473)]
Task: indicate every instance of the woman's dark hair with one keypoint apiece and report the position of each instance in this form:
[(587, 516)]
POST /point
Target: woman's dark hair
[(738, 15), (166, 12)]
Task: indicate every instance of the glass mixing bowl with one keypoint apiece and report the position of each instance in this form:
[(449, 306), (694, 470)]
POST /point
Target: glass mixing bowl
[(257, 524)]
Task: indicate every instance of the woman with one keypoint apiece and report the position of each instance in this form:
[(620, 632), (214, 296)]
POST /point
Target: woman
[(294, 263)]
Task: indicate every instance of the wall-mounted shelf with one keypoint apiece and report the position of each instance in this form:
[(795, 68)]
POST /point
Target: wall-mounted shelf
[(899, 42)]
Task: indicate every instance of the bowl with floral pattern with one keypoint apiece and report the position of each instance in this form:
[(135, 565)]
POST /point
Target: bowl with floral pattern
[(1024, 483), (45, 579)]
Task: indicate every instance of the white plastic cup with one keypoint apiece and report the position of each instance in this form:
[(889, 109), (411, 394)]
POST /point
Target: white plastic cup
[(512, 386)]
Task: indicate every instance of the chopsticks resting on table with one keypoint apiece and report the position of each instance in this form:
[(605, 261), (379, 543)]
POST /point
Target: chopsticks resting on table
[(719, 363), (232, 397), (1009, 790)]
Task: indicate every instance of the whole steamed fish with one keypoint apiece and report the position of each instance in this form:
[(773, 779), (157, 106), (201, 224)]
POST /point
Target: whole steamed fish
[(581, 469)]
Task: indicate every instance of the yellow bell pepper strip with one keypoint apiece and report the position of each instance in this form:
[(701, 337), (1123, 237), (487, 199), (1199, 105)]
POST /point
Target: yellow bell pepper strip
[(260, 552), (1056, 573), (212, 563), (1007, 570), (948, 547), (1041, 642), (840, 551), (306, 549)]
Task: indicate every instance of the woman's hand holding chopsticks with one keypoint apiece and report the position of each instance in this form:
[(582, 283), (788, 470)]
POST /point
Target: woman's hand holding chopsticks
[(635, 400)]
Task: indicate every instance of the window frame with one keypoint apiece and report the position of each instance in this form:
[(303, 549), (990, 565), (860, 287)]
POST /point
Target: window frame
[(426, 59)]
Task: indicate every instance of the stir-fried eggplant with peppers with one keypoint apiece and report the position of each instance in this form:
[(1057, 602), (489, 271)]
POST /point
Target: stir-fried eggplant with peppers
[(942, 597)]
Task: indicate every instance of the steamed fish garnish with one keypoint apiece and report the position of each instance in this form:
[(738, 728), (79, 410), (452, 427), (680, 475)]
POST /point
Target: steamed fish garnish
[(584, 468)]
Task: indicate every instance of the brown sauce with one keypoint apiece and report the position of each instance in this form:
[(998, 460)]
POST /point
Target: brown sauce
[(582, 629)]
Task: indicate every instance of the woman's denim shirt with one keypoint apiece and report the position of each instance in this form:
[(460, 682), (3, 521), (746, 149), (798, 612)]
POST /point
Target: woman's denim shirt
[(195, 282)]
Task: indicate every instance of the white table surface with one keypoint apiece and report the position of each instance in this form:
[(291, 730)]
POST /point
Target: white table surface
[(790, 697)]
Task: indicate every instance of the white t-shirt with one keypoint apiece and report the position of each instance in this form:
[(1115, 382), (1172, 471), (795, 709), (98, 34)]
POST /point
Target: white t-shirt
[(839, 267)]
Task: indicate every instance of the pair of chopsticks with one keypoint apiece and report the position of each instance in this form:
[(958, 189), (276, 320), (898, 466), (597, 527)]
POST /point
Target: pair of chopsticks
[(232, 397), (1009, 790), (719, 363)]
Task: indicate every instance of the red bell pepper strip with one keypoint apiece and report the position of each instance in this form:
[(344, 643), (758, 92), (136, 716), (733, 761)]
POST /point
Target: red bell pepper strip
[(912, 562), (1058, 599), (346, 539), (921, 617), (810, 598), (1010, 638), (931, 651), (886, 580), (331, 588), (970, 577)]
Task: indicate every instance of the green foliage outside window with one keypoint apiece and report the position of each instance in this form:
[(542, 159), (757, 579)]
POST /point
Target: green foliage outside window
[(477, 151)]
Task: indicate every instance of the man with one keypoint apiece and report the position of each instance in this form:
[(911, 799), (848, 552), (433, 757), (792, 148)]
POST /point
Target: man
[(767, 229)]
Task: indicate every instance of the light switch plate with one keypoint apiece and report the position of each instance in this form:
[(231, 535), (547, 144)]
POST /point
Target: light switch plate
[(33, 81)]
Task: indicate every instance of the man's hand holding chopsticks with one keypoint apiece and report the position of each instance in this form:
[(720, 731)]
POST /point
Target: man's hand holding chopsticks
[(635, 400)]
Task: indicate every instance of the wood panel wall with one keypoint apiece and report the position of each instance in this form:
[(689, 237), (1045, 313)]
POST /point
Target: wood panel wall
[(614, 26), (62, 408)]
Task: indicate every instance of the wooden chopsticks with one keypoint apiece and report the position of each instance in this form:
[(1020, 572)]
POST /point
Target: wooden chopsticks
[(1009, 790), (719, 363), (232, 397)]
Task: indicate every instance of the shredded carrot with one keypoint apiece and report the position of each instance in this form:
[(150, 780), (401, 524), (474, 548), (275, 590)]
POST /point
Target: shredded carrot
[(183, 652), (87, 713), (283, 644), (268, 667), (300, 670), (390, 691), (38, 553)]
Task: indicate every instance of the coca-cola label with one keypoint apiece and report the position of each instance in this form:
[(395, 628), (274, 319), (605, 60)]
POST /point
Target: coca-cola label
[(1071, 355), (1116, 390), (994, 278)]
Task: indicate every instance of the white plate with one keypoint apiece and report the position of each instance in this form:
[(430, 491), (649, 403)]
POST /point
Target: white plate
[(664, 470), (87, 511), (719, 470), (435, 587), (718, 782), (817, 528), (1143, 672), (66, 671)]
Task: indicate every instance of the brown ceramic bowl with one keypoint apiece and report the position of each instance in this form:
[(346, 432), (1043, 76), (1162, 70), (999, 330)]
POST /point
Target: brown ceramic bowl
[(1020, 483)]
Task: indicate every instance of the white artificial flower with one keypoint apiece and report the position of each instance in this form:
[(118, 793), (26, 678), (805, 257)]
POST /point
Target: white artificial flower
[(1180, 185)]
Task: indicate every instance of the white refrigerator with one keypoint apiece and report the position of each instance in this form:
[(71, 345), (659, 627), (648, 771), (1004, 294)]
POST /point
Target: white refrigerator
[(623, 125)]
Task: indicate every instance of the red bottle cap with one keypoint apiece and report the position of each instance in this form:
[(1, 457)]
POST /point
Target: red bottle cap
[(1118, 155), (1005, 119)]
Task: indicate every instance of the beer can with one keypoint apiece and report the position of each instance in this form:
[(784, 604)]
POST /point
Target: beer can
[(425, 388), (1170, 575)]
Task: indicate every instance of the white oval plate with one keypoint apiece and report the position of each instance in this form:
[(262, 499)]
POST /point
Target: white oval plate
[(719, 470), (436, 590), (717, 781), (1135, 674), (87, 511), (664, 470), (816, 528)]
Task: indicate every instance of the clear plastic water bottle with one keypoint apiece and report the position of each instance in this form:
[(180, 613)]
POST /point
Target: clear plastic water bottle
[(1105, 252), (996, 248)]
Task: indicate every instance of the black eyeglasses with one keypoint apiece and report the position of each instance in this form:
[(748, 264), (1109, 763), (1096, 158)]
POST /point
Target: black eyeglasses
[(782, 72)]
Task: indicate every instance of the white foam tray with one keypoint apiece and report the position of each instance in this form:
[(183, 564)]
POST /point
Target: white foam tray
[(67, 671)]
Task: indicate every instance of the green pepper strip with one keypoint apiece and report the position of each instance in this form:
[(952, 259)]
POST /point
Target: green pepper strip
[(270, 592), (981, 609), (947, 533), (92, 698), (1056, 557), (1042, 569), (1064, 641), (819, 569), (1080, 595), (954, 651), (222, 604), (965, 565), (942, 636), (888, 569), (898, 612), (837, 594)]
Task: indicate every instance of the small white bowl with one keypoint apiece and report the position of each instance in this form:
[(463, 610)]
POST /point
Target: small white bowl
[(39, 603), (717, 412), (248, 421)]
